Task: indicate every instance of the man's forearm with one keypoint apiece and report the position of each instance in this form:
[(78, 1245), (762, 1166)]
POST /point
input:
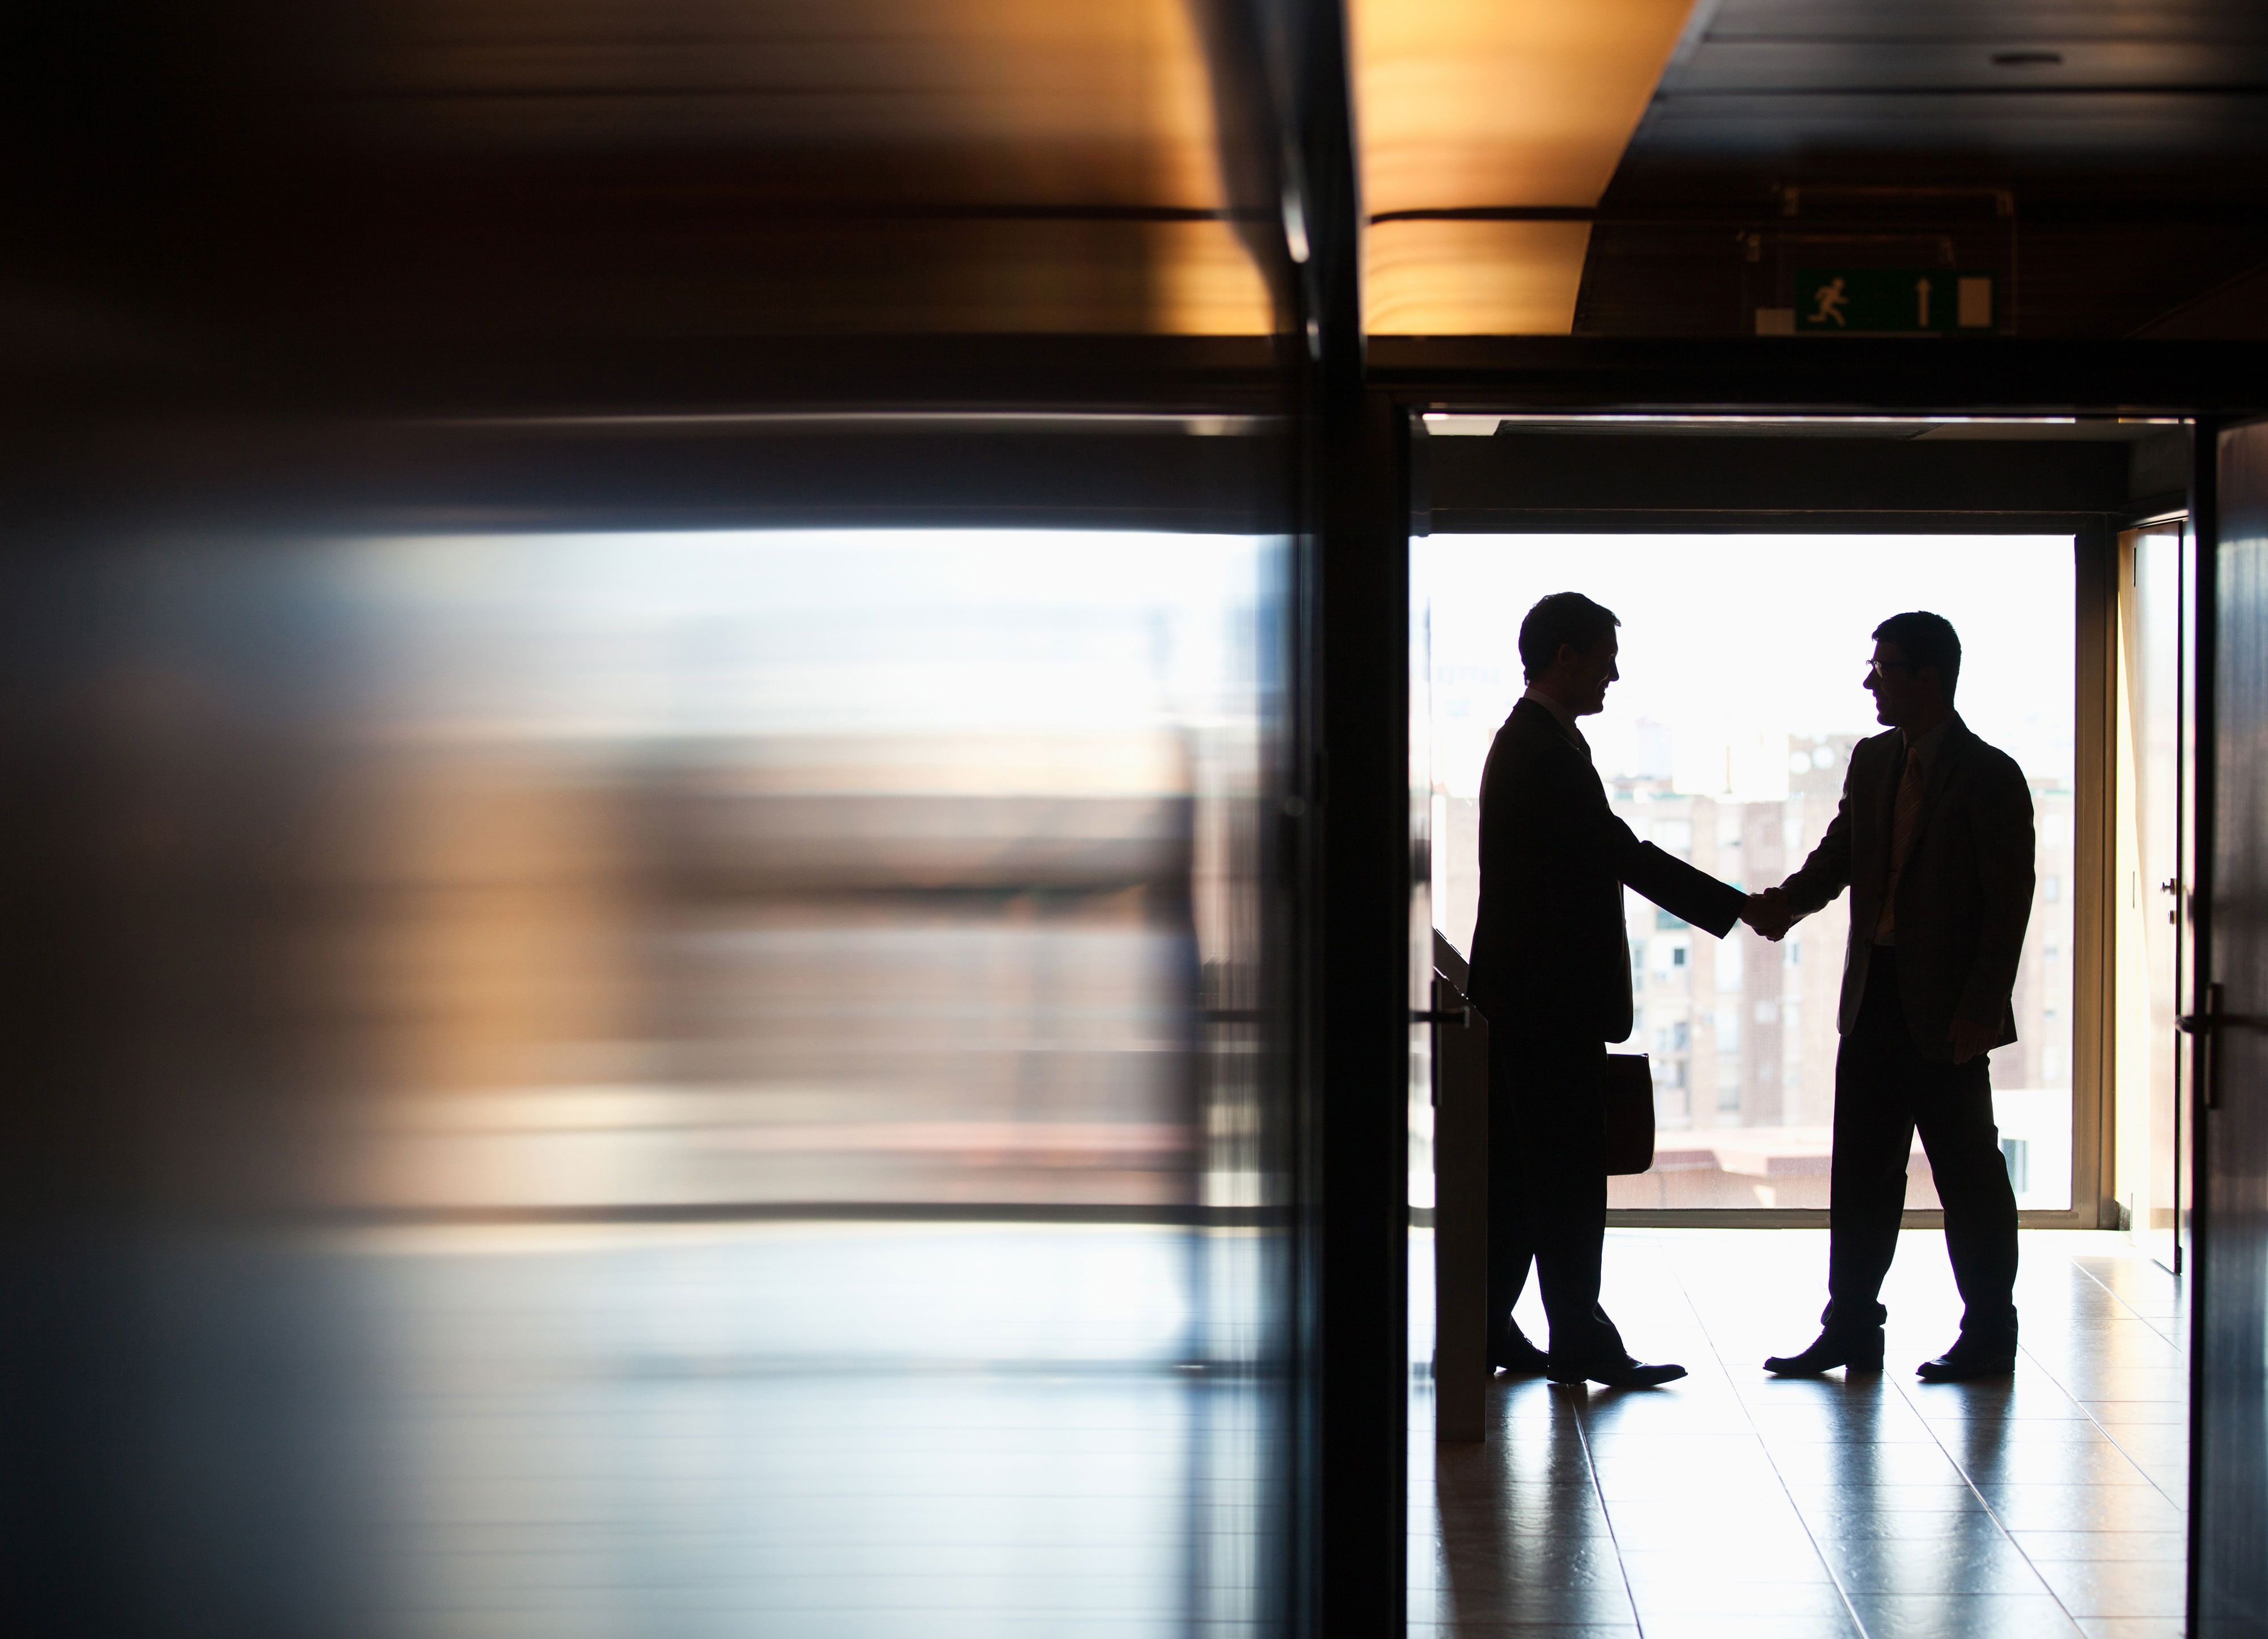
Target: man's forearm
[(1684, 890), (1809, 890), (1827, 871)]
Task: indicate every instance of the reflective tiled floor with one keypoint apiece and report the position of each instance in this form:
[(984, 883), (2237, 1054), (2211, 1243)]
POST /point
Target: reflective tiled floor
[(808, 1431), (860, 1431), (1735, 1503)]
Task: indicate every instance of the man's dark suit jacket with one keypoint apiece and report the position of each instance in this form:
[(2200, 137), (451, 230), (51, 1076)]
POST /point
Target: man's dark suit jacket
[(1963, 897), (1550, 954)]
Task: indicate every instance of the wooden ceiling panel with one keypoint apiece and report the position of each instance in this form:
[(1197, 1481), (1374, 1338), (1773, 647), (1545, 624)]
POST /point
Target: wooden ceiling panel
[(684, 167), (1489, 106), (1474, 278), (1502, 102), (997, 101)]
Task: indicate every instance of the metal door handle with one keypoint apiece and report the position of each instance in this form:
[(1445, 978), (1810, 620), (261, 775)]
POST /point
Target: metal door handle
[(2199, 1023), (1462, 1018), (2202, 1024)]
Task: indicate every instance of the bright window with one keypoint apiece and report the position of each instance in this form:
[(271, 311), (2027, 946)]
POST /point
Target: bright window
[(1727, 742)]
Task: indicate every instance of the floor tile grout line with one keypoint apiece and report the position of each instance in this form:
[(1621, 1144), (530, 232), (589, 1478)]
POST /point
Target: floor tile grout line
[(2094, 1422), (2113, 1292), (1591, 1467), (2118, 1298), (2101, 1429), (2097, 1424), (2181, 1502), (1841, 1592), (1993, 1514), (1669, 1253)]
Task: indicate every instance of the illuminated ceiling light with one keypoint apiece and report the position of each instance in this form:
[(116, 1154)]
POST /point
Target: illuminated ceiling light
[(1516, 107)]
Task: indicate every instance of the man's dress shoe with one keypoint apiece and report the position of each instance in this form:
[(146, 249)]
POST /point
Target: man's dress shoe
[(1966, 1362), (1514, 1353), (1622, 1374), (1863, 1353)]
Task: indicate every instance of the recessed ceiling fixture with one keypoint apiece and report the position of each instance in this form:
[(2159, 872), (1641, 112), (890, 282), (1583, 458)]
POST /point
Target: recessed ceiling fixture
[(2027, 59)]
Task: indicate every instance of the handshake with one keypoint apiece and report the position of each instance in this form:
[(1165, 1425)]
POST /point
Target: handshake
[(1769, 913)]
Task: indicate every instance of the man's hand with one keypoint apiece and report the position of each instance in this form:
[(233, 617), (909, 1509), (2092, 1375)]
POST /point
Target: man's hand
[(1768, 913), (1971, 1038)]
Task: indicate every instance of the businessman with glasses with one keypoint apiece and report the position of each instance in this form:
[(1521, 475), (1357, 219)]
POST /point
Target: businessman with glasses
[(1933, 839)]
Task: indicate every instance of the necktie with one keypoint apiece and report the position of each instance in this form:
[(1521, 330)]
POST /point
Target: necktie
[(1907, 814)]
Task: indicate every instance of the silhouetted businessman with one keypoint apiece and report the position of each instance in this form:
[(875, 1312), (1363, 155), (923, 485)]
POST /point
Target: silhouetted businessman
[(1934, 840), (1551, 971)]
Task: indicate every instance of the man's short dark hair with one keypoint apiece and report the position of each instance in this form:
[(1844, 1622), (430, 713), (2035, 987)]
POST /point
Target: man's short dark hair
[(1563, 617), (1928, 640)]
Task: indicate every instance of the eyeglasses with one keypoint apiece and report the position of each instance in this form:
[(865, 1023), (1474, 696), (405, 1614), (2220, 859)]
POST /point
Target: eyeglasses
[(1876, 669)]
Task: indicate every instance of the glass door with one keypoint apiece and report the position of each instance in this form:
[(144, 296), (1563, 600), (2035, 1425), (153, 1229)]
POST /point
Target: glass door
[(2155, 709)]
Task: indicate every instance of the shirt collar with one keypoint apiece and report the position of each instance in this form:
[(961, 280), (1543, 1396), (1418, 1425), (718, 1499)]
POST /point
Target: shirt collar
[(1560, 715), (1925, 750)]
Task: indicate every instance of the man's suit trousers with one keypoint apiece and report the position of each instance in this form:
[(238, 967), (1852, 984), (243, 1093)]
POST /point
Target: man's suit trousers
[(1548, 1188), (1884, 1090)]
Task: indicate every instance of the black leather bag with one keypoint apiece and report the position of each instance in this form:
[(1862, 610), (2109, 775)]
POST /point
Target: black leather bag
[(1630, 1114)]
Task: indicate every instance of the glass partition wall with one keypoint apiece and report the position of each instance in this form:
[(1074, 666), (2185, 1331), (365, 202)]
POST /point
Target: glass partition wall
[(1726, 743), (685, 1078)]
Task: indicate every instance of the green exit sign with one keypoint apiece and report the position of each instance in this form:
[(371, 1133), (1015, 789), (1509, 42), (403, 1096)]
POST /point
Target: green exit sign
[(1850, 302)]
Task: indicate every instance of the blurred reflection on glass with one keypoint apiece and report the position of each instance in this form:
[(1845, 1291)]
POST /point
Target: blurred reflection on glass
[(751, 1039)]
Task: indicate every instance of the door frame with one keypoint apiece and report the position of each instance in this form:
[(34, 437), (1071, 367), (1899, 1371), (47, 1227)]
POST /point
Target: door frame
[(2004, 376), (2186, 824), (2095, 564)]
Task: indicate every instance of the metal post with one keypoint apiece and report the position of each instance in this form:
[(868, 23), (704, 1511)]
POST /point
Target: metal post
[(1357, 449)]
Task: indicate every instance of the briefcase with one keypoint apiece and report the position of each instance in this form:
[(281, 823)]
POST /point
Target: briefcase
[(1630, 1113)]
